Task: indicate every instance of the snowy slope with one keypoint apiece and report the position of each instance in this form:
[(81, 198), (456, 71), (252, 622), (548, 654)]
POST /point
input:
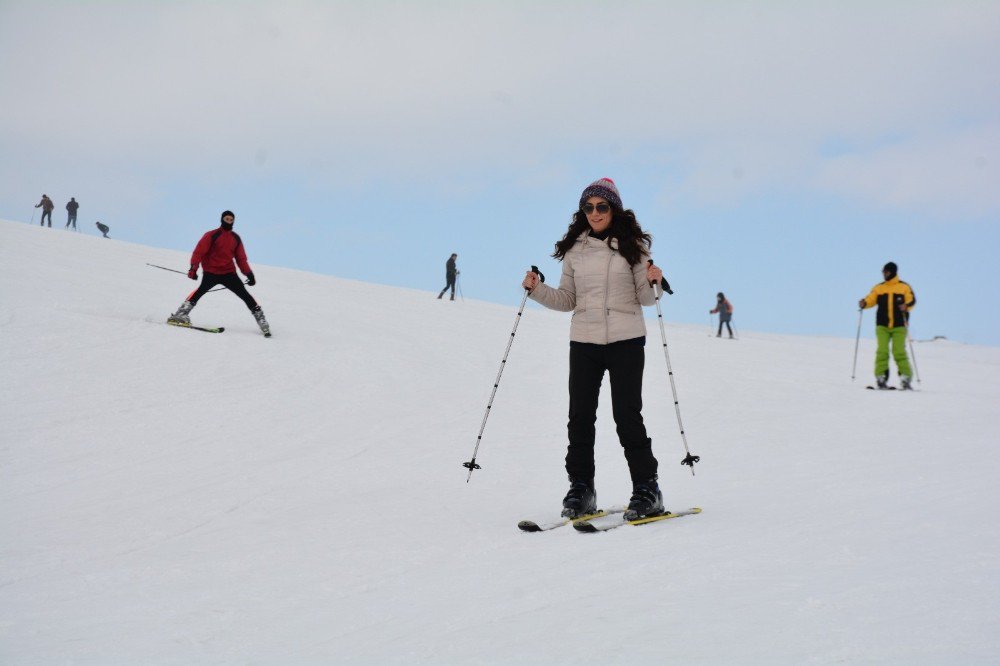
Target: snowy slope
[(169, 496)]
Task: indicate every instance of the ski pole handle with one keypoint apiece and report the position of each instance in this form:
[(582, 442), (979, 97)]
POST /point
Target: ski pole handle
[(663, 282), (541, 278)]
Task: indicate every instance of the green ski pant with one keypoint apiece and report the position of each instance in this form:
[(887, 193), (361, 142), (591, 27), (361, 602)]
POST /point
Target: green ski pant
[(897, 335)]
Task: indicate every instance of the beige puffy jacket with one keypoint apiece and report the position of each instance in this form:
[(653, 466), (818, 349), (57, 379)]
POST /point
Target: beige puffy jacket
[(605, 294)]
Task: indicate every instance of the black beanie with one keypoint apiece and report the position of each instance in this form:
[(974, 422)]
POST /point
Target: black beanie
[(890, 268), (227, 212)]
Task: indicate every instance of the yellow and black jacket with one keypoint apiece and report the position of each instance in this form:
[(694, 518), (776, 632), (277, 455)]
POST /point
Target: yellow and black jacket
[(891, 296)]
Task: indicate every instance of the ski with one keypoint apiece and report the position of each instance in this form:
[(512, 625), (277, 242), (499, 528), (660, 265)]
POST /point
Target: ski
[(532, 526), (605, 523), (219, 329), (876, 388)]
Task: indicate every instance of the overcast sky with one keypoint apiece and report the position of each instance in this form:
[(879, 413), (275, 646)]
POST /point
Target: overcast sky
[(778, 151)]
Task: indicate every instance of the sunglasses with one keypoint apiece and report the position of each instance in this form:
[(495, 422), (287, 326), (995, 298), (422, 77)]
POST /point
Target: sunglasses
[(601, 208)]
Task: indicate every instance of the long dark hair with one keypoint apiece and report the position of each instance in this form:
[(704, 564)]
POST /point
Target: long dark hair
[(633, 242)]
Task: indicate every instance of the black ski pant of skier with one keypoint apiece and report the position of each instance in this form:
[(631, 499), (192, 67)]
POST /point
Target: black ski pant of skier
[(450, 284), (230, 281), (624, 363), (48, 214), (71, 220), (726, 322)]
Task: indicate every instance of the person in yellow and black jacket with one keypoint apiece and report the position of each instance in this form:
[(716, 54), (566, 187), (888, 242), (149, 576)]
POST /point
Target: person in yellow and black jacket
[(894, 299)]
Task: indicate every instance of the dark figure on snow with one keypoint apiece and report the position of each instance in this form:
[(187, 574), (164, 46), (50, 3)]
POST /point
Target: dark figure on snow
[(104, 229), (450, 274), (46, 205), (605, 283), (71, 209), (216, 252), (725, 310), (895, 299)]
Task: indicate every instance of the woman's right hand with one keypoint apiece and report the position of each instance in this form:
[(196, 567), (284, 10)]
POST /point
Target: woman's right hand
[(530, 281)]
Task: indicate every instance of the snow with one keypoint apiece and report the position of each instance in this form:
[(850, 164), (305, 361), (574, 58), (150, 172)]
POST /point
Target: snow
[(176, 497)]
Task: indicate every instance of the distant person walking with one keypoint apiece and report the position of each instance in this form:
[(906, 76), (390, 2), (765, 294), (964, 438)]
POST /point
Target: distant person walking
[(104, 229), (46, 205), (216, 252), (894, 299), (71, 209), (450, 275), (725, 310)]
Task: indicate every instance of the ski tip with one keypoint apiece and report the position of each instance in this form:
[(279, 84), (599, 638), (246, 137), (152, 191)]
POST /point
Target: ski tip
[(584, 526), (221, 329), (528, 526)]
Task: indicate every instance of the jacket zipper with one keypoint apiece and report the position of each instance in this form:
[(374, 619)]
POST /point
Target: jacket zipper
[(607, 287)]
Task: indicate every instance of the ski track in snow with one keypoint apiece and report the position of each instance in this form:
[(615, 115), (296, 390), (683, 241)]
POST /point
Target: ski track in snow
[(171, 496)]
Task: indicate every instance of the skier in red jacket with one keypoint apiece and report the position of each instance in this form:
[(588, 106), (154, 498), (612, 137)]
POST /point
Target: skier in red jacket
[(216, 252)]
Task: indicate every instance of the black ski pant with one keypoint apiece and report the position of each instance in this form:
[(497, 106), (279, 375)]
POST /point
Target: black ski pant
[(449, 284), (624, 363), (230, 281), (46, 214), (726, 322), (71, 220)]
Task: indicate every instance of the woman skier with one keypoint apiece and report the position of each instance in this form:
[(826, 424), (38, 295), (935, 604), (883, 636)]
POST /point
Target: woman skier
[(605, 282)]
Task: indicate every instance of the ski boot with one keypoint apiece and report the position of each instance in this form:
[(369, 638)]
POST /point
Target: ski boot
[(882, 381), (904, 383), (581, 499), (182, 316), (647, 500), (258, 314)]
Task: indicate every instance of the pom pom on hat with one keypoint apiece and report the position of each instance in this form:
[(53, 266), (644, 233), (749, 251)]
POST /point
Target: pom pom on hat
[(604, 188)]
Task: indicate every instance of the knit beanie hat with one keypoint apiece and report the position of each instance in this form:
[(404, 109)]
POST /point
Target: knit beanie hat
[(604, 188), (890, 268)]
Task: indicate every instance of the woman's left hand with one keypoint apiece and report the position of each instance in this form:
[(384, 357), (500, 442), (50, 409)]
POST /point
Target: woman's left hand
[(653, 273)]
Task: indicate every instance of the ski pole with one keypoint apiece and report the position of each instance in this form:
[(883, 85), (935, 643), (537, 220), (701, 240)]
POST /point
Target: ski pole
[(857, 339), (168, 269), (32, 217), (471, 465), (458, 281), (183, 273), (913, 354), (689, 459)]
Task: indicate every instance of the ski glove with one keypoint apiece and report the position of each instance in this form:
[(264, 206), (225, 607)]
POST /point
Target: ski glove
[(251, 280), (193, 273)]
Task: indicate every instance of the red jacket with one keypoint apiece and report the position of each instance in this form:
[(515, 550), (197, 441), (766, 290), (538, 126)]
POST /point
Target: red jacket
[(216, 251)]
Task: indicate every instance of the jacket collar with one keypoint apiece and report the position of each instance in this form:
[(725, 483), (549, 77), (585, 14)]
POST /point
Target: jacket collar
[(586, 239)]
